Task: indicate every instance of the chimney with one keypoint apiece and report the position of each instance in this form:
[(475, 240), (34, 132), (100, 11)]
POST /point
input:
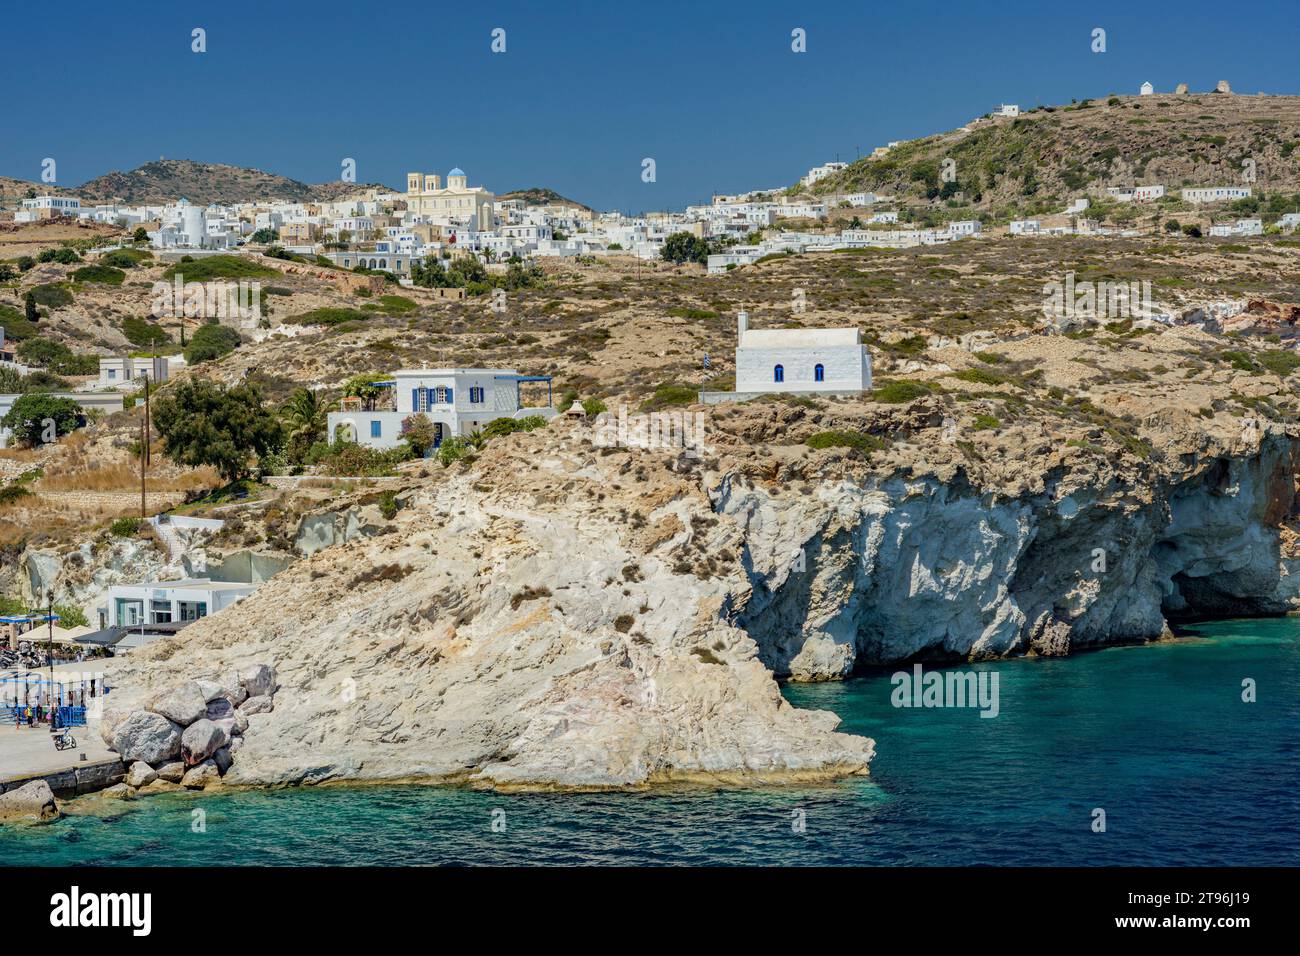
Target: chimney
[(742, 323)]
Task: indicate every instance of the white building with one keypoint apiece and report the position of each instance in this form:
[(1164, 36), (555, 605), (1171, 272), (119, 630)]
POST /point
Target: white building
[(456, 400), (169, 602), (1289, 221), (1146, 89), (1215, 193), (46, 207), (818, 173), (1025, 227), (1008, 109), (964, 227), (796, 361), (122, 372)]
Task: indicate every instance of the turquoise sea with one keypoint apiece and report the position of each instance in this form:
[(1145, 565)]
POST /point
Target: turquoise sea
[(1156, 736)]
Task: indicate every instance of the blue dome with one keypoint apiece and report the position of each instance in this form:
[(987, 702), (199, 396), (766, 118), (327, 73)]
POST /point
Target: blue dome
[(457, 172)]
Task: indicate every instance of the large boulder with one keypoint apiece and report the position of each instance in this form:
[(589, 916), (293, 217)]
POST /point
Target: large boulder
[(112, 719), (201, 740), (140, 775), (201, 774), (219, 709), (259, 680), (210, 689), (147, 736), (231, 687), (261, 704), (33, 802), (183, 704), (172, 771)]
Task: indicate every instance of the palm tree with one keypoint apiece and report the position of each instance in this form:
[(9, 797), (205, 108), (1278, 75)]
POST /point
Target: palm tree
[(476, 439), (306, 414)]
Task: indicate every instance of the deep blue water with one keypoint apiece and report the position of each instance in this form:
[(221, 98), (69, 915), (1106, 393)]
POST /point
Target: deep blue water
[(1157, 736)]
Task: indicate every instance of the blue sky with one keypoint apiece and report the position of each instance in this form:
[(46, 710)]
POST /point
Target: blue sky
[(711, 91)]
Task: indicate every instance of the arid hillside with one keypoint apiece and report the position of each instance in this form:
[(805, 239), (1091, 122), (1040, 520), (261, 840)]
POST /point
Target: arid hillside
[(1036, 162)]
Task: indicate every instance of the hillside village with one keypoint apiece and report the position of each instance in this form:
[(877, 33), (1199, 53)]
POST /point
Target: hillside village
[(212, 409)]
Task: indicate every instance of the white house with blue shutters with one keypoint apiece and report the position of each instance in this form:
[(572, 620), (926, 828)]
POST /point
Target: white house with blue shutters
[(456, 400), (796, 362)]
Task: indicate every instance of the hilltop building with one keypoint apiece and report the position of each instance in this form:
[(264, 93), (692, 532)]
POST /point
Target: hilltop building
[(427, 197)]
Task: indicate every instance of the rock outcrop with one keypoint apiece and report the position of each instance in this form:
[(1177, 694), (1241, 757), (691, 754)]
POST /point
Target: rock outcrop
[(565, 616), (31, 803)]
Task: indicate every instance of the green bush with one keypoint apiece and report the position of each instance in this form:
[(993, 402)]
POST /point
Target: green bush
[(124, 258), (219, 267), (104, 275), (388, 505), (984, 423), (144, 333), (666, 396), (52, 295), (836, 438), (333, 315), (125, 527), (71, 616), (12, 493), (211, 342), (902, 390)]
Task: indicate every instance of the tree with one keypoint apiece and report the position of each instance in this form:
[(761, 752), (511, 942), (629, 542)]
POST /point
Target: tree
[(6, 272), (364, 388), (305, 414), (202, 423), (29, 307), (264, 236), (140, 235), (683, 247), (211, 342), (30, 417), (419, 433)]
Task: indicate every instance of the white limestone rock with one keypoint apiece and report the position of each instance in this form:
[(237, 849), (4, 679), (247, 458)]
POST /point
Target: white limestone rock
[(258, 680), (33, 802), (172, 771), (262, 704), (140, 775), (201, 775), (182, 704), (147, 736), (201, 740)]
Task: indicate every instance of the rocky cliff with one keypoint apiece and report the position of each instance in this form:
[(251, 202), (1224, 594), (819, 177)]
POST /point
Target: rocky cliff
[(556, 614)]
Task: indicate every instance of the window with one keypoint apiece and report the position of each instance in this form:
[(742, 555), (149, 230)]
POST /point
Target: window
[(819, 373), (129, 612), (112, 373), (192, 610), (778, 374), (476, 395), (376, 430), (443, 394)]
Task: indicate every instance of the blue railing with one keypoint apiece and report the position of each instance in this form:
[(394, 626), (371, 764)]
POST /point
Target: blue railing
[(68, 716)]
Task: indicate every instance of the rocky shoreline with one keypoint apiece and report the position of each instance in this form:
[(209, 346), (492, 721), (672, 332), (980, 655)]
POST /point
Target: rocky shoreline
[(558, 616)]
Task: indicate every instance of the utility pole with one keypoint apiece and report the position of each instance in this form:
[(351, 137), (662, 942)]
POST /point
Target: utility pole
[(49, 616), (144, 447)]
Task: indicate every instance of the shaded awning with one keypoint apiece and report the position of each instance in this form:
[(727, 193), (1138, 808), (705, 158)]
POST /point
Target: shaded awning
[(103, 638)]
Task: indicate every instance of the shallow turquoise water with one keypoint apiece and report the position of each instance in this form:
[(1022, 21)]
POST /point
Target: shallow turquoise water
[(1157, 736)]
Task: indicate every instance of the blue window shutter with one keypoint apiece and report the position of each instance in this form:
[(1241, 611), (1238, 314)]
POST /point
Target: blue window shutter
[(415, 399), (376, 430), (449, 396)]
